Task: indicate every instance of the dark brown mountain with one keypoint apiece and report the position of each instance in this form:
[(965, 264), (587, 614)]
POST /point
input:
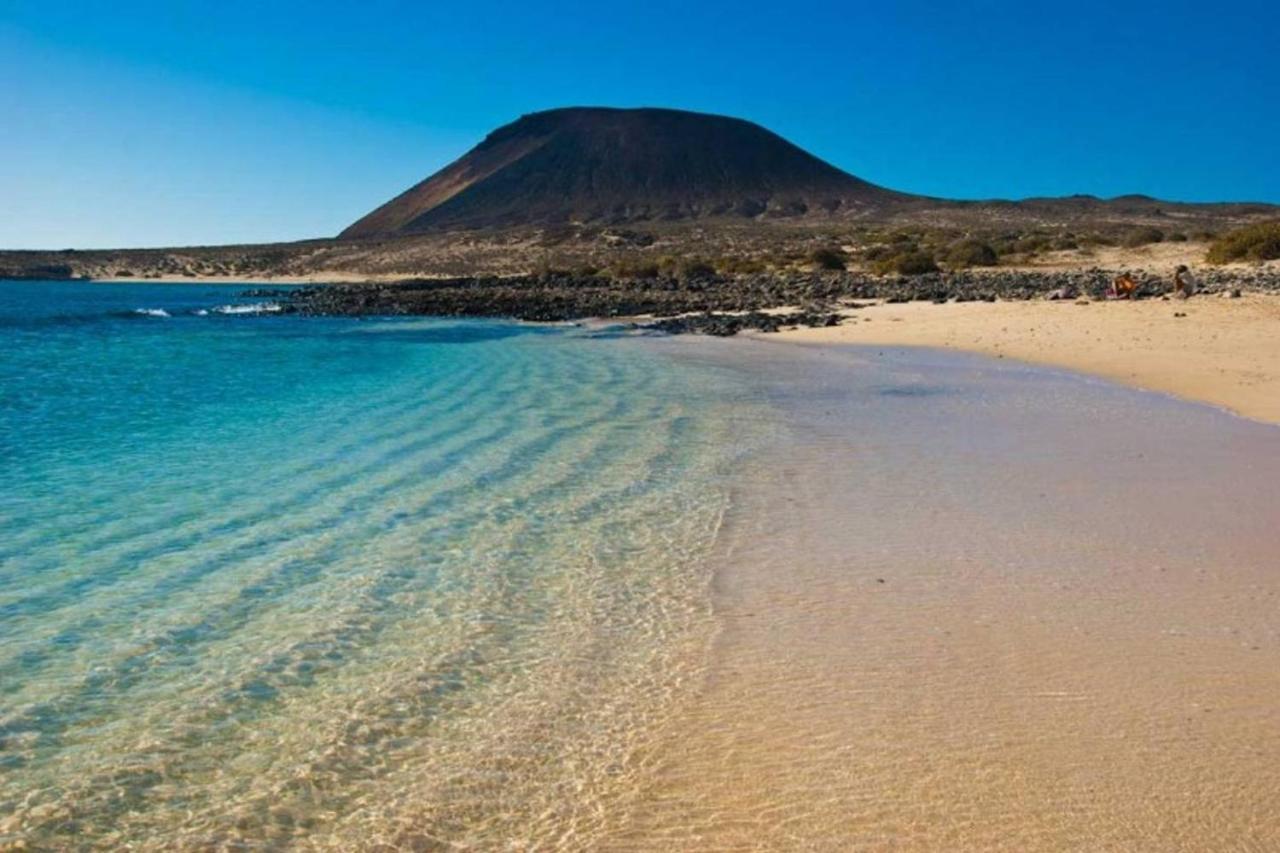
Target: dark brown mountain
[(595, 164)]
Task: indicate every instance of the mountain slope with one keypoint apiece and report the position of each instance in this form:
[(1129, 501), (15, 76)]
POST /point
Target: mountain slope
[(622, 165)]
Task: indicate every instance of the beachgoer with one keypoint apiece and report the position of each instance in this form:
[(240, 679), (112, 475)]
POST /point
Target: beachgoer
[(1184, 283), (1123, 286)]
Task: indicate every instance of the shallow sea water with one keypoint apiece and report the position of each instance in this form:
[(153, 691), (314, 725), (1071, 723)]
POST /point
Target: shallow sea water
[(336, 582), (274, 582), (970, 604)]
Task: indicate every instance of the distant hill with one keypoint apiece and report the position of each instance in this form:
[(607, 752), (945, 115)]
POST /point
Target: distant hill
[(595, 164), (607, 166), (596, 187)]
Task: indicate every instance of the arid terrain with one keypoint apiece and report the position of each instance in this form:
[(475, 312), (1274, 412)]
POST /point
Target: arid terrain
[(730, 247)]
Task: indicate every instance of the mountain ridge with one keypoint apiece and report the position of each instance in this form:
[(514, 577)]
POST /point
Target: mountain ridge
[(615, 165)]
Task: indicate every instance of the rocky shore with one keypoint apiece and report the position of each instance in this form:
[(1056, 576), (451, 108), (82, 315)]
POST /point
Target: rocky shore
[(724, 305)]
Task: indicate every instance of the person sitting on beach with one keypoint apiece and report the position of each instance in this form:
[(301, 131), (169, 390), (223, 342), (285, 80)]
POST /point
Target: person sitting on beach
[(1123, 286), (1184, 284)]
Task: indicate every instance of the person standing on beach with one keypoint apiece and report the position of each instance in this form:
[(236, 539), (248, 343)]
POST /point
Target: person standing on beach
[(1184, 284)]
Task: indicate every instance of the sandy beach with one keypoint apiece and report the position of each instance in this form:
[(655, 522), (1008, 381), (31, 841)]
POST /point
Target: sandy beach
[(615, 429), (967, 605), (917, 599), (1209, 349)]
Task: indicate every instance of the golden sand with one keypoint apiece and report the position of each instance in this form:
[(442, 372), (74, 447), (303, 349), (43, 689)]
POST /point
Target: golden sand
[(967, 607), (1225, 352)]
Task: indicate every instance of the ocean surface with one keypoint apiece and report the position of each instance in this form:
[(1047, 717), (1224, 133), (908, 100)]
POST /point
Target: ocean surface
[(267, 579), (273, 582)]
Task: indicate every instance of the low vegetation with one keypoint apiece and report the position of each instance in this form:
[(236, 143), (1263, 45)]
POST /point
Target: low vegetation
[(906, 263), (740, 266), (1143, 237), (829, 258), (1257, 242), (667, 255), (634, 268), (695, 268), (972, 253)]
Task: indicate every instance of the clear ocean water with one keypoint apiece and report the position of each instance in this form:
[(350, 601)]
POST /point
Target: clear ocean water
[(267, 579)]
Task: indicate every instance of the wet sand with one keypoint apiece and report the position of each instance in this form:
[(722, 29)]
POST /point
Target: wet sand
[(972, 604), (1223, 351)]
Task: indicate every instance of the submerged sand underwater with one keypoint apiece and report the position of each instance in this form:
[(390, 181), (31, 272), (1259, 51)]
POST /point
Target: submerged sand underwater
[(970, 604), (270, 581)]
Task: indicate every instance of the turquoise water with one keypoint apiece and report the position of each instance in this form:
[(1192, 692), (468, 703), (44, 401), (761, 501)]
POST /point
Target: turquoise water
[(336, 582)]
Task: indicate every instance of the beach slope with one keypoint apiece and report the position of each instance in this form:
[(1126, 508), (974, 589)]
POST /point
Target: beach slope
[(1208, 349)]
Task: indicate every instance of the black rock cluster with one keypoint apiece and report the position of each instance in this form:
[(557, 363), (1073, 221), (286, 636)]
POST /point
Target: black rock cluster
[(722, 305), (727, 325)]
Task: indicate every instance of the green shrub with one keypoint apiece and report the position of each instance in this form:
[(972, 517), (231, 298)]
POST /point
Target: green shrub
[(907, 263), (1257, 242), (740, 266), (829, 258), (635, 268), (875, 254), (1031, 245), (696, 268), (1176, 237), (972, 253), (669, 264), (1143, 237)]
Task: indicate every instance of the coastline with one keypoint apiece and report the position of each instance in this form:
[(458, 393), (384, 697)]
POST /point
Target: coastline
[(962, 606), (1209, 349), (1220, 351), (946, 601), (282, 280)]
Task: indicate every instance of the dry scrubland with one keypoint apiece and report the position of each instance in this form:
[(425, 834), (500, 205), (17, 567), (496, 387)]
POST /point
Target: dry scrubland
[(945, 240)]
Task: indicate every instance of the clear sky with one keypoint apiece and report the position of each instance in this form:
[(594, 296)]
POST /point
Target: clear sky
[(166, 123)]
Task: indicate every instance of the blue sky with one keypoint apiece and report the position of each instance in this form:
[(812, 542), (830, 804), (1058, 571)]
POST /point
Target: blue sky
[(170, 123)]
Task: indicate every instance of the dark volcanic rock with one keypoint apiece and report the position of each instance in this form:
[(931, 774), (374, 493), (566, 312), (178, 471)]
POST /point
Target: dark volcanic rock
[(727, 325), (710, 303), (266, 293)]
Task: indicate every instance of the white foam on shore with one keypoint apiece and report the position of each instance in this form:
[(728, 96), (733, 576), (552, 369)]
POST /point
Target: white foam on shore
[(151, 312), (252, 308)]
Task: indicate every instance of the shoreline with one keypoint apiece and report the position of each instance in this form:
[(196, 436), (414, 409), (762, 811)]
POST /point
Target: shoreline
[(1209, 349), (1220, 352), (1216, 347), (942, 626), (951, 602)]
